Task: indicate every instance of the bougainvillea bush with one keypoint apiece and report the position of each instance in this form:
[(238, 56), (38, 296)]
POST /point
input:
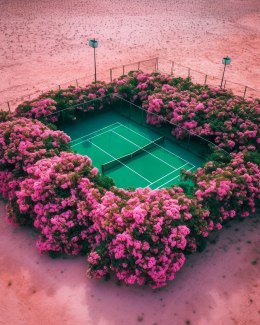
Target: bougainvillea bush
[(232, 123), (22, 143), (227, 190), (58, 195), (42, 109), (64, 104), (141, 236)]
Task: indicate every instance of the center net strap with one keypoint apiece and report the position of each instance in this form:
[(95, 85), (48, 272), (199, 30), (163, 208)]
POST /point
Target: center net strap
[(131, 155)]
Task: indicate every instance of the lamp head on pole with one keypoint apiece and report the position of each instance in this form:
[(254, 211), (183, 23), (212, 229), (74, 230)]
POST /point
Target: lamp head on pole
[(226, 60), (93, 43)]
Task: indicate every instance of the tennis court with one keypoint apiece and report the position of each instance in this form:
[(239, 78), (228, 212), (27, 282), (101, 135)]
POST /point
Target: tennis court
[(132, 158)]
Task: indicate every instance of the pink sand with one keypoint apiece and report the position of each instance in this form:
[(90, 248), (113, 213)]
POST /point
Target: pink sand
[(42, 43), (219, 286)]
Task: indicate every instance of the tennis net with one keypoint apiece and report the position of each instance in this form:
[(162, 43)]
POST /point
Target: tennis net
[(131, 155)]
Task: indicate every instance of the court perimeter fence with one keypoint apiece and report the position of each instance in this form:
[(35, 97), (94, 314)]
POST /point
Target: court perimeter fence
[(185, 138), (156, 64)]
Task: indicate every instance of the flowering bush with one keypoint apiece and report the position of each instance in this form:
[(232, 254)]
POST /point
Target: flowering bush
[(232, 123), (42, 110), (138, 85), (140, 235), (57, 196), (5, 116), (228, 190), (22, 143), (64, 104)]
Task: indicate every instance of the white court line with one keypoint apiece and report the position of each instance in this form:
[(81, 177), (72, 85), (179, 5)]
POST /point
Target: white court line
[(121, 162), (84, 136), (172, 179), (95, 136), (173, 154), (112, 130), (149, 153), (168, 175)]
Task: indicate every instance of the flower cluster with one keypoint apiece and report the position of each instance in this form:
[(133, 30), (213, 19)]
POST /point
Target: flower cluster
[(22, 143), (42, 109), (232, 123), (140, 235), (57, 197), (228, 190), (65, 104)]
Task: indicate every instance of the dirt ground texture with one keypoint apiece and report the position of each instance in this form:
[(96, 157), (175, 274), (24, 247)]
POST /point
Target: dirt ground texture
[(43, 43)]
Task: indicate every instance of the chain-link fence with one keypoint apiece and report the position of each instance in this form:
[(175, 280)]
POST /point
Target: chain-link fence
[(150, 65), (179, 70)]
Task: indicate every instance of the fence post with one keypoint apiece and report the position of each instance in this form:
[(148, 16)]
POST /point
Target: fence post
[(225, 84), (188, 72), (77, 82), (245, 92), (138, 67), (123, 70), (110, 75), (205, 81), (172, 67), (9, 108), (156, 65)]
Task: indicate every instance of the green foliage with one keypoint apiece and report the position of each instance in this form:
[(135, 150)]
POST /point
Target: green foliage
[(62, 192), (103, 181), (253, 156), (5, 116), (219, 156)]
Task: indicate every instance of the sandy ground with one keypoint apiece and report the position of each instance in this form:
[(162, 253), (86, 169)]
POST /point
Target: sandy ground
[(42, 43), (219, 286)]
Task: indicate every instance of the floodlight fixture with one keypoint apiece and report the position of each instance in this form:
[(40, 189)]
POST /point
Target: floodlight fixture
[(226, 61)]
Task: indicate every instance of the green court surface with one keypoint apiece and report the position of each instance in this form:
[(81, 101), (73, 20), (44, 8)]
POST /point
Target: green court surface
[(133, 155)]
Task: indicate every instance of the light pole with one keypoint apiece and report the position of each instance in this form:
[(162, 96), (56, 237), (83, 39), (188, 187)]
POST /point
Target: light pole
[(94, 43), (226, 61)]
